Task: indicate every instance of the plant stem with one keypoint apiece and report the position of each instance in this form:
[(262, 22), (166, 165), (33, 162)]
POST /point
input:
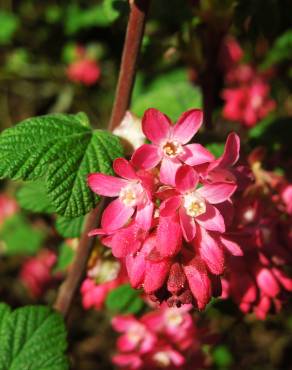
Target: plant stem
[(134, 35)]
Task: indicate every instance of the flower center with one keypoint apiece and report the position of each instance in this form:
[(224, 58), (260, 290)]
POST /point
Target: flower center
[(194, 204), (162, 359), (174, 318), (172, 148), (136, 334), (129, 194), (105, 271)]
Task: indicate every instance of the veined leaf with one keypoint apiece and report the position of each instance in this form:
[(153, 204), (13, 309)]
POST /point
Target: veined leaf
[(124, 299), (32, 338), (63, 150), (32, 196), (69, 227), (65, 257)]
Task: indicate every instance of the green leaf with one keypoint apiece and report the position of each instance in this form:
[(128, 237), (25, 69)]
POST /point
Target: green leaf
[(172, 94), (216, 149), (9, 24), (33, 338), (280, 51), (33, 197), (222, 357), (65, 258), (17, 236), (114, 8), (124, 299), (70, 227), (63, 150), (4, 312)]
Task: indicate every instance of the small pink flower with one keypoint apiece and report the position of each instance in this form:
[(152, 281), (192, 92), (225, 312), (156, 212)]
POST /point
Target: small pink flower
[(8, 207), (36, 272), (168, 143), (230, 53), (85, 71), (133, 191)]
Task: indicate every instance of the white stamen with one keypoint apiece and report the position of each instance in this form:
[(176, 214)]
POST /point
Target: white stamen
[(194, 204), (172, 148), (162, 359)]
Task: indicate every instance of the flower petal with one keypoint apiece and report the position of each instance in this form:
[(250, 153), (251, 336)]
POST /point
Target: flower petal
[(195, 154), (210, 251), (188, 225), (231, 153), (186, 179), (211, 219), (146, 157), (116, 215), (169, 206), (144, 215), (168, 170), (187, 125), (155, 125), (155, 275), (106, 185), (136, 269), (169, 236), (199, 281), (218, 192), (123, 323), (123, 168), (231, 246)]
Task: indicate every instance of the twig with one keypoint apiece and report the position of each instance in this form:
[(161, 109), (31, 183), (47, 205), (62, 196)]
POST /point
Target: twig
[(135, 30)]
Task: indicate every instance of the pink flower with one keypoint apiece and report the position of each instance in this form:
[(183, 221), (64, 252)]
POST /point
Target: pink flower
[(163, 338), (105, 276), (196, 206), (230, 53), (36, 272), (133, 191), (168, 143), (85, 71)]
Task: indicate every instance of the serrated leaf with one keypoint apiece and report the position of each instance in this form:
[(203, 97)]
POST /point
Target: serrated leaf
[(65, 257), (172, 94), (33, 338), (17, 236), (61, 149), (124, 299), (33, 197), (4, 312), (70, 227)]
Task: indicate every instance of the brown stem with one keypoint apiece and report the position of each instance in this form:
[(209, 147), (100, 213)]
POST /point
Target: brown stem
[(135, 30)]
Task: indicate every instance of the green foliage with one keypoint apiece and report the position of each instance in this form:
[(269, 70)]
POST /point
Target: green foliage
[(62, 150), (32, 337), (65, 258), (9, 24), (280, 51), (32, 196), (222, 357), (17, 236), (114, 8), (172, 93), (124, 299), (216, 149), (69, 227)]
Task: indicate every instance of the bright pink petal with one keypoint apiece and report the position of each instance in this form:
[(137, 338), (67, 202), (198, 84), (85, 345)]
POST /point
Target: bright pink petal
[(218, 192), (231, 153), (211, 219), (125, 360), (188, 225), (97, 232), (116, 215), (169, 206), (124, 169), (210, 252), (267, 282), (146, 156), (125, 241), (169, 238), (199, 281), (187, 125), (106, 185), (168, 170), (144, 215), (231, 246), (155, 275), (195, 154), (123, 323), (155, 125), (186, 179), (136, 269)]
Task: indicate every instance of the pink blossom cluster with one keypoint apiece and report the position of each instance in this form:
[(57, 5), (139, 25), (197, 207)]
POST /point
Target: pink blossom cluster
[(165, 338), (259, 281), (84, 69), (168, 221), (247, 92), (36, 273), (104, 274)]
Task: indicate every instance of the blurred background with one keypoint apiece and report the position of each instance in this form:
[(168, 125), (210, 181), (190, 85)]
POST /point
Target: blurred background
[(232, 58)]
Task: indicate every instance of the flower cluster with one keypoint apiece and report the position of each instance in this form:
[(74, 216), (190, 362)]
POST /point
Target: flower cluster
[(84, 69), (172, 206), (259, 281), (166, 338), (247, 95), (103, 275)]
